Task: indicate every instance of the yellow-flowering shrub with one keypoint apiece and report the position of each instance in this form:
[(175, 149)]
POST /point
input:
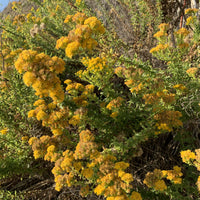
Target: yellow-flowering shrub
[(112, 104), (41, 73)]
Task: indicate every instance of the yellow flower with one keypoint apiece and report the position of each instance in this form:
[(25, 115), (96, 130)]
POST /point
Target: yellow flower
[(119, 71), (99, 189), (84, 191), (182, 31), (75, 120), (191, 10), (68, 81), (179, 87), (187, 156), (57, 131), (110, 198), (192, 71), (79, 18), (160, 34), (163, 27), (94, 24), (87, 173), (121, 173), (114, 114), (183, 45), (135, 196), (62, 42), (86, 136), (68, 18), (159, 47), (24, 138), (72, 48), (160, 185), (41, 115), (78, 2), (51, 105), (39, 102), (77, 166), (37, 154), (4, 131), (115, 103), (32, 140), (89, 88), (89, 44), (51, 148), (127, 178), (177, 180), (31, 113), (29, 78), (121, 165), (191, 20)]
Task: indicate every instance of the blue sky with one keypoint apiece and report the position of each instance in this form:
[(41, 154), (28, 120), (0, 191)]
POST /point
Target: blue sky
[(4, 3)]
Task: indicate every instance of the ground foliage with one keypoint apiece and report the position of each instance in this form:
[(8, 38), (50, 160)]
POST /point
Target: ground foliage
[(100, 106)]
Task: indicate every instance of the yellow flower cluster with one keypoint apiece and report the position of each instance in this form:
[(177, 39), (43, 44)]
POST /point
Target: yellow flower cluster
[(180, 87), (95, 64), (97, 71), (40, 145), (191, 11), (163, 31), (158, 97), (80, 37), (15, 5), (113, 181), (78, 2), (9, 56), (173, 175), (84, 191), (120, 71), (183, 45), (86, 145), (52, 116), (168, 119), (159, 47), (47, 147), (41, 73), (4, 131), (75, 120), (73, 88), (188, 156), (134, 78), (154, 180), (192, 71), (192, 158), (51, 155), (135, 196), (80, 94), (163, 27), (19, 19), (115, 103), (190, 20), (24, 138), (182, 32), (161, 35), (66, 167)]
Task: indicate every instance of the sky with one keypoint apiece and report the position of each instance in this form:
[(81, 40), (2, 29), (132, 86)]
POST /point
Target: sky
[(4, 3)]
